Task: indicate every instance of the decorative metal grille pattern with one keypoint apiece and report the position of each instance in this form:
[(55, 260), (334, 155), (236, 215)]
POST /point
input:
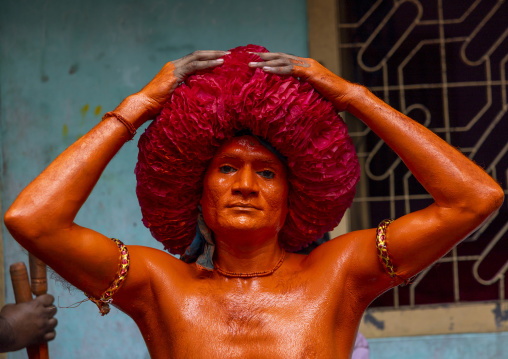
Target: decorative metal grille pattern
[(444, 64)]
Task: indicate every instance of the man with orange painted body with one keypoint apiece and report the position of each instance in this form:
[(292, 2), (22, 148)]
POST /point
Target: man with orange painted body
[(283, 305)]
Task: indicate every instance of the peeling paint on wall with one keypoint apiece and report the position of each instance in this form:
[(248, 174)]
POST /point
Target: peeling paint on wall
[(84, 110), (500, 315)]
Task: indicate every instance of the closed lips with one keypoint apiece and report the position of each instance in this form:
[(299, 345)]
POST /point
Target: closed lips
[(242, 205)]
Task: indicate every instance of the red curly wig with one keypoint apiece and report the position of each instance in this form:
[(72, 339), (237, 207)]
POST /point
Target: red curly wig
[(212, 106)]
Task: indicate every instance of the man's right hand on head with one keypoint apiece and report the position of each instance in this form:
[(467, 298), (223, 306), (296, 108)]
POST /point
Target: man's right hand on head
[(158, 91)]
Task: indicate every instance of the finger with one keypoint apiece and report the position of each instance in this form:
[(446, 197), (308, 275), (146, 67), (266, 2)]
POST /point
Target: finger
[(51, 311), (45, 299), (49, 336), (274, 55), (284, 70), (182, 72), (271, 63), (209, 54), (51, 324), (270, 55), (202, 64), (279, 56), (200, 55)]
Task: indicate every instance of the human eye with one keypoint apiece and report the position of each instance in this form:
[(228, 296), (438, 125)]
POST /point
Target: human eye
[(267, 174), (226, 169)]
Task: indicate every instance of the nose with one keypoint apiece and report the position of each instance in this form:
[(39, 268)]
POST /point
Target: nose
[(245, 182)]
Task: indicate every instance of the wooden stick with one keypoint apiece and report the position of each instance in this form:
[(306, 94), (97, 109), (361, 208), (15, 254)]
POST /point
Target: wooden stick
[(20, 283), (38, 280), (39, 286), (23, 294)]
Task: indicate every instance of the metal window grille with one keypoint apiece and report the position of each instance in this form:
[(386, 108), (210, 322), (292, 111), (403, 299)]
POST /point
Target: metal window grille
[(444, 64)]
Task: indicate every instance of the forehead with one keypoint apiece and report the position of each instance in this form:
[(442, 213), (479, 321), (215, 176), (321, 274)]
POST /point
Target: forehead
[(247, 147)]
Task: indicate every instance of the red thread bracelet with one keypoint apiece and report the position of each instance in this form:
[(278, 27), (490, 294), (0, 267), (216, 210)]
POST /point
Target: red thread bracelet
[(130, 127)]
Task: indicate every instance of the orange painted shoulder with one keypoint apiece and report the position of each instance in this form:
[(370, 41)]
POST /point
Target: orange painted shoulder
[(344, 247), (148, 266), (355, 255)]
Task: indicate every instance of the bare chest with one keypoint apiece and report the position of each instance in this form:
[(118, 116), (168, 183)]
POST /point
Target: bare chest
[(253, 320)]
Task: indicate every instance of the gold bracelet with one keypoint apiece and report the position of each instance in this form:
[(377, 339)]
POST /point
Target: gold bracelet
[(107, 297), (130, 127)]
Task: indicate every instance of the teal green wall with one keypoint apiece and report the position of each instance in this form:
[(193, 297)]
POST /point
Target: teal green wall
[(65, 63)]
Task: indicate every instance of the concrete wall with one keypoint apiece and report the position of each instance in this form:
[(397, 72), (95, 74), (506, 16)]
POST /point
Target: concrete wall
[(65, 63), (455, 346)]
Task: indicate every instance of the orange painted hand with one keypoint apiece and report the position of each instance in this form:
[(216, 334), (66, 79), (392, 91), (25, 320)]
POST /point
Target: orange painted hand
[(332, 87)]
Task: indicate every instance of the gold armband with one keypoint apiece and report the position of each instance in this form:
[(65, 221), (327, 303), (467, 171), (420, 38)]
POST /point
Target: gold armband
[(107, 297), (381, 247), (383, 254)]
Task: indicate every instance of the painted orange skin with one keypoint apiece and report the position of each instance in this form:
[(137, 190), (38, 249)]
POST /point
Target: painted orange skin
[(242, 204), (311, 306)]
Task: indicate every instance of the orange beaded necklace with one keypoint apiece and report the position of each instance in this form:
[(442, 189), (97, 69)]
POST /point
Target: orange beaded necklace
[(252, 274)]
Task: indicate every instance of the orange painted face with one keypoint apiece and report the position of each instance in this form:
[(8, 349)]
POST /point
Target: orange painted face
[(245, 189)]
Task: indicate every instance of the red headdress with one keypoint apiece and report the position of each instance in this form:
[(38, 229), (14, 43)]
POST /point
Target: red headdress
[(210, 107)]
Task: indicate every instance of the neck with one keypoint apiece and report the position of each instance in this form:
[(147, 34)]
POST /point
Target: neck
[(247, 256)]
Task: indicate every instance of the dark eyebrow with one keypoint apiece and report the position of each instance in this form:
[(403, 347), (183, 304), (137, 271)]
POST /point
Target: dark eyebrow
[(227, 156), (270, 162), (267, 161)]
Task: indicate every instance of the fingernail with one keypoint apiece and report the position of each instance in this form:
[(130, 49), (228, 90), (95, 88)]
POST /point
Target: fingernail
[(220, 60), (227, 52)]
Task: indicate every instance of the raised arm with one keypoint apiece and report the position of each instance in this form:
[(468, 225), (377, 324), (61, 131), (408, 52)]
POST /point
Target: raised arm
[(42, 217), (464, 195)]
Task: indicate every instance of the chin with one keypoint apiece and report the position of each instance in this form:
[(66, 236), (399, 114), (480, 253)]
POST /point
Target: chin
[(244, 228), (242, 224)]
